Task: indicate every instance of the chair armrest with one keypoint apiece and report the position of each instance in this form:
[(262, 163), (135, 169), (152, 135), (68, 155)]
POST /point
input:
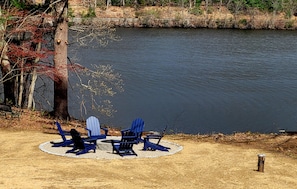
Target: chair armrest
[(66, 133), (92, 140), (129, 137), (105, 131), (153, 136), (89, 131), (115, 143), (123, 130)]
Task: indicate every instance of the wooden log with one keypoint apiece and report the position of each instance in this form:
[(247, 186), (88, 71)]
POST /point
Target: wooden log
[(261, 161)]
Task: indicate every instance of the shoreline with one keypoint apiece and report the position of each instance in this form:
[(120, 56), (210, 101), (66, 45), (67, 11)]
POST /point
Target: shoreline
[(35, 121)]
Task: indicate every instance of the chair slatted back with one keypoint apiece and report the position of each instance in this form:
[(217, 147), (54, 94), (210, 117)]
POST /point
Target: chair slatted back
[(93, 126), (61, 132), (128, 140), (137, 127)]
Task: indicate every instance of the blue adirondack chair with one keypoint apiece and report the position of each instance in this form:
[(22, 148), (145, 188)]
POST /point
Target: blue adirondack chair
[(149, 145), (63, 134), (94, 128), (125, 146), (81, 146), (137, 127)]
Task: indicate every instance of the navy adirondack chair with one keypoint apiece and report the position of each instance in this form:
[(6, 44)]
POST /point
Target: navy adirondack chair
[(125, 146), (63, 134), (94, 128), (149, 145), (137, 127), (81, 146)]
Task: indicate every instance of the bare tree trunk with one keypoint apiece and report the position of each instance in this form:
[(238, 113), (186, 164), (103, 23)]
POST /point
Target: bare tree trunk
[(7, 76), (33, 81), (123, 2), (206, 13), (31, 90), (21, 83), (60, 61), (108, 3), (220, 8)]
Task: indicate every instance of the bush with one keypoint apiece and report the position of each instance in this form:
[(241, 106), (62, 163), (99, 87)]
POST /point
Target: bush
[(196, 11), (90, 14)]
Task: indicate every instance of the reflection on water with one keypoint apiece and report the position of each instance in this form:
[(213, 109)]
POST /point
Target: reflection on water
[(203, 81)]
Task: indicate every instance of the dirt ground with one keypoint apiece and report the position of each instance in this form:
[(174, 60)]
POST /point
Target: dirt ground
[(206, 161)]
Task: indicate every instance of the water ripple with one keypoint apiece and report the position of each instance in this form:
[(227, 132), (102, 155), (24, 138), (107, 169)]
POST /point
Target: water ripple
[(200, 81)]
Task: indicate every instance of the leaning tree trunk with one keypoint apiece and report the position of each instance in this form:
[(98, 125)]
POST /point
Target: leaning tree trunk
[(60, 61), (33, 81), (34, 75)]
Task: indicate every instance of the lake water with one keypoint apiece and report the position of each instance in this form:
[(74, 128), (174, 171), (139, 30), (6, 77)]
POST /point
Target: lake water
[(202, 81)]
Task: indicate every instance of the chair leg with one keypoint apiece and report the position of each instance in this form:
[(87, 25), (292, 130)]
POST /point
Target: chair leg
[(71, 151), (62, 144), (86, 150)]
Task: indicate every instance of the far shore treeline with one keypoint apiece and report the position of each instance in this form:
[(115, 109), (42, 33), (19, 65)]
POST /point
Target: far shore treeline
[(230, 14)]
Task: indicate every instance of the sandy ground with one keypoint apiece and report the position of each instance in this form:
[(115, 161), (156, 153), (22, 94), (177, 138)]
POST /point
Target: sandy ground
[(198, 165)]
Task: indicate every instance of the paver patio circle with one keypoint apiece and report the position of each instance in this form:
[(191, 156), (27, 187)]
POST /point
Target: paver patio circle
[(104, 150)]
